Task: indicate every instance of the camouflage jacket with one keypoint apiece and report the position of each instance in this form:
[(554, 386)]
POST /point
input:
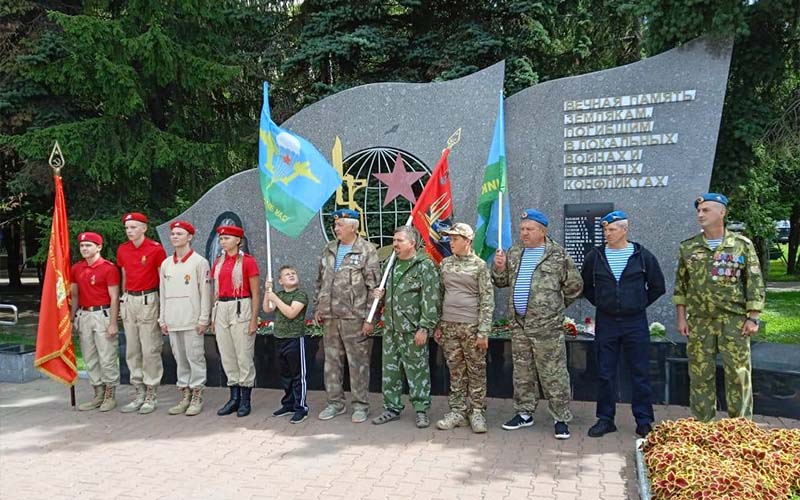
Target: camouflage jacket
[(347, 293), (725, 281), (412, 300), (466, 282), (556, 284)]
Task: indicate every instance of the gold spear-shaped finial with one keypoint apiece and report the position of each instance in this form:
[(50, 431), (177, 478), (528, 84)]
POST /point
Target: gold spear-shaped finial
[(454, 139), (56, 159)]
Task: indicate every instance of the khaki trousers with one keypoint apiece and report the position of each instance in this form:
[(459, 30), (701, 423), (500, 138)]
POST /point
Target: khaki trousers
[(100, 352), (236, 346), (143, 338), (190, 357)]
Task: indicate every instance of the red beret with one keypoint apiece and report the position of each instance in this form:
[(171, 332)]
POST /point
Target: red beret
[(139, 217), (91, 237), (182, 224), (231, 231)]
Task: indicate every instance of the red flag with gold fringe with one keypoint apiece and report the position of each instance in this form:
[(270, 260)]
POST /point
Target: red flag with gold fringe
[(55, 354)]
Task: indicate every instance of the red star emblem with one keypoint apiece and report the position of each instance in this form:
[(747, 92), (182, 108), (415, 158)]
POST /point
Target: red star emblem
[(399, 182)]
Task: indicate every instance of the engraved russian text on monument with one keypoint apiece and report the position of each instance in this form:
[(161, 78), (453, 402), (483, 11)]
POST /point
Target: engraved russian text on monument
[(620, 127)]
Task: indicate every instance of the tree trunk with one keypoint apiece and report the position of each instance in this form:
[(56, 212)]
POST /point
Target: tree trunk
[(11, 240), (794, 239)]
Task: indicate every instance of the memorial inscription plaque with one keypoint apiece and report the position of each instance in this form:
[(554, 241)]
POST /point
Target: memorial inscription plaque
[(582, 229)]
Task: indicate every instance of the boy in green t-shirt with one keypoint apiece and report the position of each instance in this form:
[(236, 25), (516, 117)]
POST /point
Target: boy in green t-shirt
[(290, 328)]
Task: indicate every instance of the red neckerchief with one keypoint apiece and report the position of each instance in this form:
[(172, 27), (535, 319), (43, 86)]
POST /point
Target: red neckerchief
[(185, 257)]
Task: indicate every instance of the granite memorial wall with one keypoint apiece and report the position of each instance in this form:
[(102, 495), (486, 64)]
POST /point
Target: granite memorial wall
[(639, 138)]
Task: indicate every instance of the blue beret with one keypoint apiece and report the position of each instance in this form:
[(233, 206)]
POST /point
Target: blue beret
[(345, 213), (719, 198), (616, 215), (534, 215)]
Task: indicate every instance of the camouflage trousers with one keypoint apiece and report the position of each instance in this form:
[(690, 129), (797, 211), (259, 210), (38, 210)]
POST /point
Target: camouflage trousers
[(400, 354), (343, 340), (542, 353), (467, 365), (707, 337)]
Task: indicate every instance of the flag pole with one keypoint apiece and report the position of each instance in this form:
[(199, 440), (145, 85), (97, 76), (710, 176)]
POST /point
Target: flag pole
[(385, 277), (500, 219), (269, 257), (56, 163)]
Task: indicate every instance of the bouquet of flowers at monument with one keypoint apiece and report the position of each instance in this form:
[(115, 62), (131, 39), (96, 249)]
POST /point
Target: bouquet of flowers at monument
[(658, 330), (313, 329), (570, 327), (731, 458)]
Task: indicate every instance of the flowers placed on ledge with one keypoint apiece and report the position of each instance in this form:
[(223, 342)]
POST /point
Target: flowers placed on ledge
[(657, 330), (501, 328), (570, 328), (731, 458)]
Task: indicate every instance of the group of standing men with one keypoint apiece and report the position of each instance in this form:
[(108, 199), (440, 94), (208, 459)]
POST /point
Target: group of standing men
[(719, 293)]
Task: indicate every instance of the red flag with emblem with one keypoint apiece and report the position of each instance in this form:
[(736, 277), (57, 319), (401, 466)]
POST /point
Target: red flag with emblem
[(433, 211), (55, 354)]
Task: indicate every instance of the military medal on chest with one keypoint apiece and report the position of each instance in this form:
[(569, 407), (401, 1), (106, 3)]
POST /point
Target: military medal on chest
[(186, 279), (144, 259), (92, 280)]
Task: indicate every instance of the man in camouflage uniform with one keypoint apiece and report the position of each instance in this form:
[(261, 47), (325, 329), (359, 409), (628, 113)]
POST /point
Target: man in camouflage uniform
[(543, 281), (348, 273), (719, 286), (410, 313), (463, 331)]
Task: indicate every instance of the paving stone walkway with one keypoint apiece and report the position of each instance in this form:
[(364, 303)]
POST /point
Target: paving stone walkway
[(48, 451)]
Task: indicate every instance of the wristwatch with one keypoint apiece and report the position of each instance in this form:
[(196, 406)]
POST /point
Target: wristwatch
[(755, 321)]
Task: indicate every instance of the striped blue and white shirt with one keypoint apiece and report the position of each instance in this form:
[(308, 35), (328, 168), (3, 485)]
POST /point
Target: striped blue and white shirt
[(618, 259), (522, 287), (713, 244), (340, 253)]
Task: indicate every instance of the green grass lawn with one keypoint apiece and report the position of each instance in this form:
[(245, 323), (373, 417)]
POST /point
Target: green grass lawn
[(782, 317), (27, 336), (777, 268)]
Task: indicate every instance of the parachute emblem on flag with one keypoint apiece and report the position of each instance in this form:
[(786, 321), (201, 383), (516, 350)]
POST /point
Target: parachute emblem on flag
[(284, 159)]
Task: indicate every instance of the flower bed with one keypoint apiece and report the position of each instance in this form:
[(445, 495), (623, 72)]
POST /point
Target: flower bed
[(728, 459)]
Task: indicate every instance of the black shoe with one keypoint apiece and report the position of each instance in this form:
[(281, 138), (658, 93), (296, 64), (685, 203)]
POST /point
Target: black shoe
[(601, 428), (642, 430), (244, 404), (517, 422), (299, 416), (561, 430), (282, 411), (233, 403)]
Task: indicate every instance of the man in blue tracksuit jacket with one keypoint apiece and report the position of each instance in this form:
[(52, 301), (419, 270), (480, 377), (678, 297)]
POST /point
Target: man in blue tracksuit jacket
[(621, 279)]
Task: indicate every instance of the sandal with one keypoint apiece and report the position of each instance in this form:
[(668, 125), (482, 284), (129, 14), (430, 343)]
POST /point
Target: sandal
[(386, 416), (422, 420)]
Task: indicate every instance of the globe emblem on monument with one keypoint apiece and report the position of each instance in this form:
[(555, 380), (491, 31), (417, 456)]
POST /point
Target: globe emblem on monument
[(381, 184)]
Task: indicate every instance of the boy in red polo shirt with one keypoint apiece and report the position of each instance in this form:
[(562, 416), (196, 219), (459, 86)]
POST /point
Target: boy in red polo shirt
[(95, 308), (140, 258), (235, 317), (185, 293)]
